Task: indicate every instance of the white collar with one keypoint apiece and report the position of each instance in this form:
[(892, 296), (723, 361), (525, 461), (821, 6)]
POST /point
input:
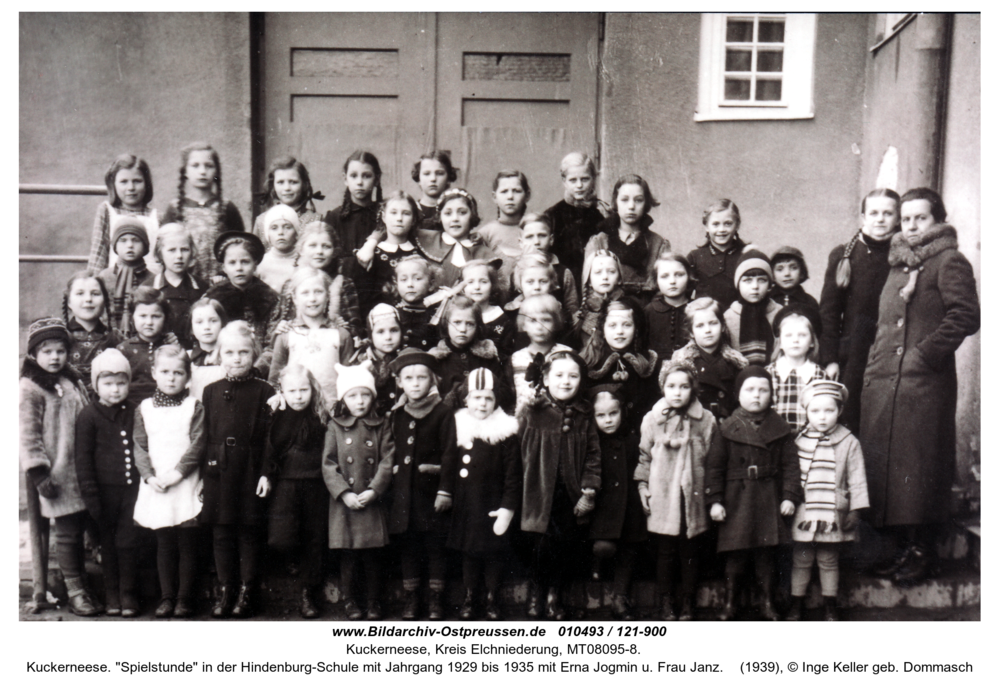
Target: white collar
[(451, 241), (491, 313), (386, 247), (783, 367)]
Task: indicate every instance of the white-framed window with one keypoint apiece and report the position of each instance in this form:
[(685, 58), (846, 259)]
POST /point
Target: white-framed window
[(756, 66)]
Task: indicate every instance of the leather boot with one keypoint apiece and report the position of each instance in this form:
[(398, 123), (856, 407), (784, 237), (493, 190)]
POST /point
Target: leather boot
[(411, 605), (534, 600), (165, 608), (493, 606), (728, 612), (351, 609), (243, 609), (687, 608), (554, 610), (184, 608), (830, 609), (435, 609), (308, 608), (888, 567), (80, 602), (374, 610), (224, 598), (916, 567), (667, 607), (467, 611), (795, 612), (767, 610)]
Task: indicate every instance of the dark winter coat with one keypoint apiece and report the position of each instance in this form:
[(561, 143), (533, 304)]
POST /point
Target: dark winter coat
[(750, 470), (433, 246), (236, 423), (637, 259), (140, 359), (714, 271), (557, 442), (86, 345), (105, 450), (485, 476), (419, 441), (254, 304), (454, 366), (639, 389), (351, 230), (909, 396), (358, 456), (572, 228), (665, 324), (850, 316), (415, 323), (619, 513), (716, 375), (795, 296)]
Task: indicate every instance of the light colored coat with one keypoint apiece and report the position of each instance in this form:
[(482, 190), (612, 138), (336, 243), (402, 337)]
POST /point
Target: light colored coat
[(674, 471)]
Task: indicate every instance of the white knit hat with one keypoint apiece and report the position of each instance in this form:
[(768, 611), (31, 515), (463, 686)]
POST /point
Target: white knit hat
[(381, 311), (349, 377), (109, 362), (285, 213)]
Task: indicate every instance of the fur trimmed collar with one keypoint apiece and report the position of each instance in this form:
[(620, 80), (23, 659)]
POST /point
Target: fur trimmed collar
[(46, 380), (689, 354), (642, 365), (933, 241), (661, 412), (492, 430), (484, 348)]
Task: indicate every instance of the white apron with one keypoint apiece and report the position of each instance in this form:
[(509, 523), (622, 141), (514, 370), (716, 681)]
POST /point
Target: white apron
[(317, 350), (169, 431)]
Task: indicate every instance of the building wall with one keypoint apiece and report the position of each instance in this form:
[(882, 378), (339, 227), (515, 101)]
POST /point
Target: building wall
[(960, 187), (93, 86), (795, 182)]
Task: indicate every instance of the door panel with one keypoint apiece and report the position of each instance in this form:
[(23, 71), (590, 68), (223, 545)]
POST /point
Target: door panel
[(516, 90), (497, 90), (334, 83)]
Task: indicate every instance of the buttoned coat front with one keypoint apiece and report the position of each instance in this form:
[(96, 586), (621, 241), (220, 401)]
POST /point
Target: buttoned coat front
[(544, 428), (357, 457), (909, 396), (661, 467), (750, 471), (427, 440)]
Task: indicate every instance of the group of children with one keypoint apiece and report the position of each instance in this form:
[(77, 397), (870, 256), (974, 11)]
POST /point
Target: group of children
[(395, 374)]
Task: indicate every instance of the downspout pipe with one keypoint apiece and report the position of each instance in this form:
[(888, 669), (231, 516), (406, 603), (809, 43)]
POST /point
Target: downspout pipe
[(932, 53)]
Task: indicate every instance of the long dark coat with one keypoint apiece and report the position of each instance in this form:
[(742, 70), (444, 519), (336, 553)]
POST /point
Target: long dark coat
[(486, 476), (236, 423), (556, 439), (909, 395), (714, 271), (619, 513), (426, 440), (716, 376), (849, 318), (357, 457), (752, 496)]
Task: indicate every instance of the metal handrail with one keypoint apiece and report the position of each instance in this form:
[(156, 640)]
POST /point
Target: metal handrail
[(59, 190), (63, 189)]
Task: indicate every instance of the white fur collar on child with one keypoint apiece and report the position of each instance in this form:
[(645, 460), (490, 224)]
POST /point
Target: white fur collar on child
[(493, 430)]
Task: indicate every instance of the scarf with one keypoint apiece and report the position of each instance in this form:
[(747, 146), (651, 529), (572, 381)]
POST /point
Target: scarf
[(817, 467), (933, 241), (642, 365), (756, 336), (128, 276), (420, 408), (160, 399)]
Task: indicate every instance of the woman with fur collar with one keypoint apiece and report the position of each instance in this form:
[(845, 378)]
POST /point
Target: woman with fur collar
[(929, 305)]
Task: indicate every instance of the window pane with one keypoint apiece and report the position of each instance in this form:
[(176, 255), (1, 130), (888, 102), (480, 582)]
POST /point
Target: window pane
[(737, 89), (768, 90), (770, 31), (738, 60), (739, 31), (768, 61)]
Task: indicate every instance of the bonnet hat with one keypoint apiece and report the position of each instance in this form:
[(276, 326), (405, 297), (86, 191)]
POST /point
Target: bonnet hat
[(381, 311), (284, 212), (43, 329), (109, 362), (351, 377)]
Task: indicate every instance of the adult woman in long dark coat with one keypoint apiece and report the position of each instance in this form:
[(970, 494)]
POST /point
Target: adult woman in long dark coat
[(928, 307)]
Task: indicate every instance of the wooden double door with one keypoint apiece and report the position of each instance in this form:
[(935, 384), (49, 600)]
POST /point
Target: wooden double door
[(496, 90)]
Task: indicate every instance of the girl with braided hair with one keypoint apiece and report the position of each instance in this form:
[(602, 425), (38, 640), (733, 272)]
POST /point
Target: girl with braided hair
[(202, 209)]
